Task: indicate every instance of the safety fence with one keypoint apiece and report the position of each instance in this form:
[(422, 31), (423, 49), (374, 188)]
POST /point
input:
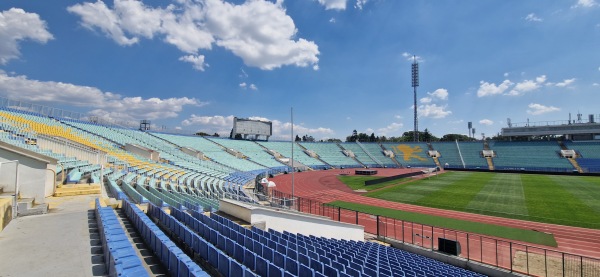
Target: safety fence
[(508, 255)]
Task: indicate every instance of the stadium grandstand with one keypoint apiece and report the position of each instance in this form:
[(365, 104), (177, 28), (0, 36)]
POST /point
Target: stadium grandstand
[(183, 205)]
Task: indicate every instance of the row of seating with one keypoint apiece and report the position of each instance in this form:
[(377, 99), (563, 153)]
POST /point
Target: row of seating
[(175, 261), (119, 256), (198, 245), (271, 253), (331, 153)]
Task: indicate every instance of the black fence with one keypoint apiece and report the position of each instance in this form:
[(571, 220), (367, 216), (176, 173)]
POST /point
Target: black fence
[(512, 256)]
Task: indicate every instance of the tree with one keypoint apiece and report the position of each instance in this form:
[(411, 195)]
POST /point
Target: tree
[(352, 137), (202, 134), (362, 137), (298, 138), (454, 137), (372, 138), (334, 140), (216, 135)]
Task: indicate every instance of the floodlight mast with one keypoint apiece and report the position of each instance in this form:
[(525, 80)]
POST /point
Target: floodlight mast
[(415, 84)]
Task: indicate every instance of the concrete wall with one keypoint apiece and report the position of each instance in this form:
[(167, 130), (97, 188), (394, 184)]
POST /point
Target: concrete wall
[(36, 172), (143, 151), (281, 220)]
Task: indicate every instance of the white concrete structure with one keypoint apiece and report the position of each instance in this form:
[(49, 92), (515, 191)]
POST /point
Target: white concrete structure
[(293, 222), (36, 172)]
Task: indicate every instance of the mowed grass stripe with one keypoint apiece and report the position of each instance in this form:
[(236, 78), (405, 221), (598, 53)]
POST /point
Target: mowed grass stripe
[(456, 195), (587, 189), (548, 201), (455, 224), (413, 192), (503, 194)]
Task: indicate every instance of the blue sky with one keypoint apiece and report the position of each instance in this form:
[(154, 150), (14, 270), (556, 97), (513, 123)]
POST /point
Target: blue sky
[(341, 64)]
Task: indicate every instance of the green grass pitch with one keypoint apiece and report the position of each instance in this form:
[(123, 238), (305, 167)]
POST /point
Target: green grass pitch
[(455, 224), (565, 200)]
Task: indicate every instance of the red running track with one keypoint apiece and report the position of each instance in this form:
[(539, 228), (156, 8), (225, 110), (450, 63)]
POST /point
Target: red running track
[(323, 186)]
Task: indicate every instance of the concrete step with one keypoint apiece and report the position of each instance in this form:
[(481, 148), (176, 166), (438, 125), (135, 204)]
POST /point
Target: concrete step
[(78, 189), (27, 206)]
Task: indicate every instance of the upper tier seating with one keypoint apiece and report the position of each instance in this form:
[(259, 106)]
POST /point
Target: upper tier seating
[(284, 148), (331, 153), (411, 153), (363, 157), (529, 155), (251, 150), (470, 151)]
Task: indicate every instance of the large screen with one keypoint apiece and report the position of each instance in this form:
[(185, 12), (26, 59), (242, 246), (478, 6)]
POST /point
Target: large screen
[(252, 127)]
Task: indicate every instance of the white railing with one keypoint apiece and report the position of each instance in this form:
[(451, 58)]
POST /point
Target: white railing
[(70, 148)]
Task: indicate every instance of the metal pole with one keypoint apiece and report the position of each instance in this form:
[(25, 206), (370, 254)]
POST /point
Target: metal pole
[(292, 140), (377, 222), (467, 246), (510, 253)]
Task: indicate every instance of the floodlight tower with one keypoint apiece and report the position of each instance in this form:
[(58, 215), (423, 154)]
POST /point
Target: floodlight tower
[(415, 84)]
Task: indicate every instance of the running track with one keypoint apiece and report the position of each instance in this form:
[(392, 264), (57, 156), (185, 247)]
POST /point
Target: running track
[(324, 186)]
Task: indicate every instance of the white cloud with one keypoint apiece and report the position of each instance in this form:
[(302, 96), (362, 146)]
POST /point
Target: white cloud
[(527, 85), (217, 120), (223, 124), (585, 4), (248, 86), (486, 89), (537, 109), (565, 82), (410, 57), (390, 129), (425, 100), (595, 84), (259, 32), (360, 4), (333, 4), (17, 25), (433, 111), (533, 18), (486, 122), (506, 74), (438, 94), (332, 20), (105, 104), (100, 16), (196, 60)]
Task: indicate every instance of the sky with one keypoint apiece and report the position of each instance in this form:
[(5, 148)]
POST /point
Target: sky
[(341, 65)]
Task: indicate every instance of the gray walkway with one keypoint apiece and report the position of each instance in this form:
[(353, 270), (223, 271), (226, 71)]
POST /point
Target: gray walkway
[(63, 242)]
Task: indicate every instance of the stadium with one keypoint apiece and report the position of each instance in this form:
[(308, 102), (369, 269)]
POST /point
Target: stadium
[(186, 205), (206, 138)]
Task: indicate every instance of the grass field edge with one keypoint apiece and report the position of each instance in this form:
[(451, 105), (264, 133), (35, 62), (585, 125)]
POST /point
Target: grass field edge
[(484, 229)]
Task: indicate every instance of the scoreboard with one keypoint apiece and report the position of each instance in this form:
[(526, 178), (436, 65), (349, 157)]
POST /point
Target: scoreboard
[(253, 128)]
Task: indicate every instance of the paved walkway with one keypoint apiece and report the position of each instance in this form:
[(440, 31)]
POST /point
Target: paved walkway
[(63, 242)]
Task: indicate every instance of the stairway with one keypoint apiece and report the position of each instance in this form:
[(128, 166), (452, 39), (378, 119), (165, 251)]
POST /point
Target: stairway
[(393, 159), (27, 206), (490, 163), (575, 165), (571, 160), (77, 189)]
